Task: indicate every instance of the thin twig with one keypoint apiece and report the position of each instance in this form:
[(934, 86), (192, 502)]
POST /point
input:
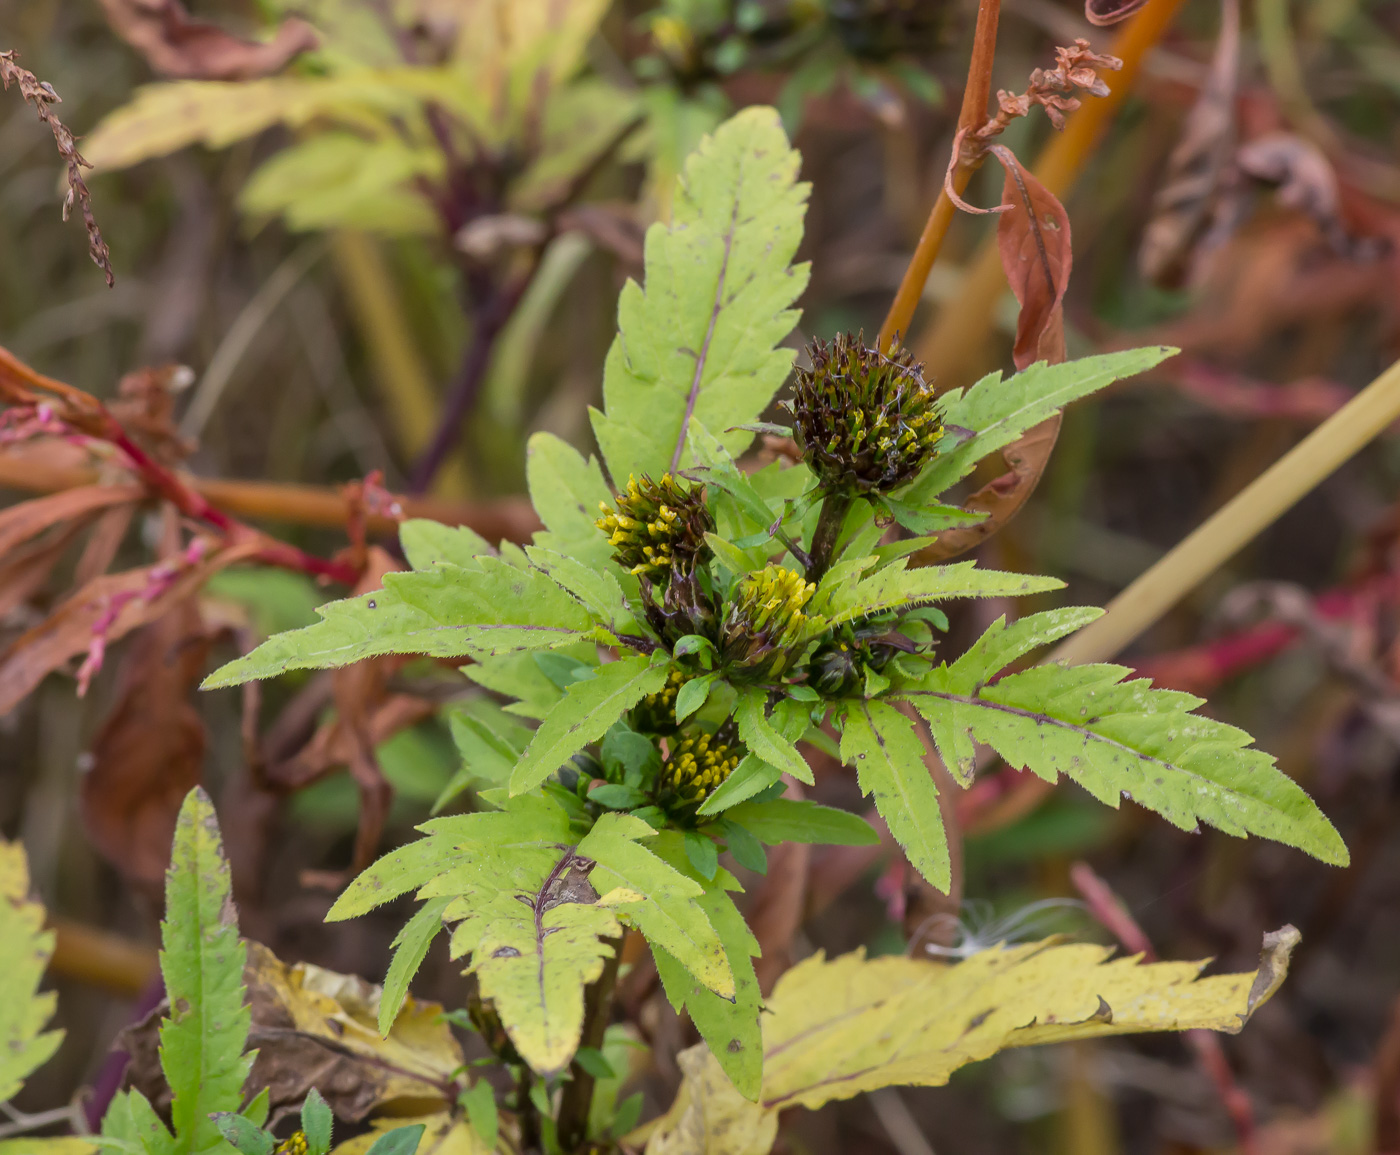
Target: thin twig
[(40, 94), (1110, 911)]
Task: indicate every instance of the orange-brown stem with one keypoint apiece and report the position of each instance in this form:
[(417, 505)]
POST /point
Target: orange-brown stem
[(971, 117)]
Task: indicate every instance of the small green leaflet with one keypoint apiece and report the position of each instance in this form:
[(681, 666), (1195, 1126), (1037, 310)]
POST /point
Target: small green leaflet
[(731, 1028), (1000, 411), (883, 746), (428, 543), (663, 905), (896, 586), (566, 491), (410, 947), (701, 340), (763, 740), (201, 960), (1116, 738), (583, 715), (797, 820)]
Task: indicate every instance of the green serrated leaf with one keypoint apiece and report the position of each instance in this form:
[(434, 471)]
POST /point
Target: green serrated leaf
[(797, 820), (566, 491), (701, 340), (762, 739), (583, 715), (747, 850), (896, 585), (691, 696), (410, 948), (999, 411), (731, 1028), (316, 1122), (201, 960), (657, 897), (884, 747), (132, 1126), (1120, 739), (428, 543)]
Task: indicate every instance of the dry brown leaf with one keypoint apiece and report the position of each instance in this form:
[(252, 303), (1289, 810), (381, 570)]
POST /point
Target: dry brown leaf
[(317, 1028), (24, 572), (102, 545), (27, 519), (150, 750), (1001, 498), (1034, 238), (107, 608), (177, 46), (1188, 198)]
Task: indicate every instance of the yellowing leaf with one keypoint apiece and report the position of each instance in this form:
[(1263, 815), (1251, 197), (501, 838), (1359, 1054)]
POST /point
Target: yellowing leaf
[(444, 1133), (50, 1145), (709, 1117), (163, 118), (837, 1028), (25, 949), (414, 1064)]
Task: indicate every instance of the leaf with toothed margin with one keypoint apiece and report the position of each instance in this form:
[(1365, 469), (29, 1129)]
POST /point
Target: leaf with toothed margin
[(1115, 738)]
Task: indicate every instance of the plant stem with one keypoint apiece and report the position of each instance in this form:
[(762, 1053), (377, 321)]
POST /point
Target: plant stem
[(577, 1099), (1238, 522), (490, 320), (835, 506), (962, 325), (971, 117), (528, 1117)]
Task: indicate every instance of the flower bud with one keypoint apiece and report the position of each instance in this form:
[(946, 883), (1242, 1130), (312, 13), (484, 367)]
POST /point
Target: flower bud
[(698, 764), (765, 628), (658, 528), (656, 713), (867, 423)]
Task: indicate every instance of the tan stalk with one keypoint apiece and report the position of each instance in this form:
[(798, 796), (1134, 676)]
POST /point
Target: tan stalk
[(962, 326), (1238, 522)]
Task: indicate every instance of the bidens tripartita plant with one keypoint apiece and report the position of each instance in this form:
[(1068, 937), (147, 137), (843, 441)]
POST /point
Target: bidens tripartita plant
[(681, 624)]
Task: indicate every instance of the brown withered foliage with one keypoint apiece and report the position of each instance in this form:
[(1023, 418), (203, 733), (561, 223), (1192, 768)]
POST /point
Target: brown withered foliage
[(176, 45), (41, 95), (150, 750)]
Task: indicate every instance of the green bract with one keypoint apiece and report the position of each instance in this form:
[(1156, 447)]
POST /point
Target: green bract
[(675, 651)]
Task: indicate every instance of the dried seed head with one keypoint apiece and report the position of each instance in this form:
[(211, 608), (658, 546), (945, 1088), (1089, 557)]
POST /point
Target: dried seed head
[(658, 528), (765, 628), (866, 422), (838, 666), (698, 764)]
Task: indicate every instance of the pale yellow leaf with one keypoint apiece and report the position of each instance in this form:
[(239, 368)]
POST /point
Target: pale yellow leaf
[(163, 118), (50, 1145), (445, 1134), (836, 1028), (25, 949)]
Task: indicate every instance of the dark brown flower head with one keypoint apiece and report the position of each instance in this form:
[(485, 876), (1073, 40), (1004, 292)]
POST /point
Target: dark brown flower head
[(698, 764), (838, 666), (867, 423), (765, 628), (658, 527)]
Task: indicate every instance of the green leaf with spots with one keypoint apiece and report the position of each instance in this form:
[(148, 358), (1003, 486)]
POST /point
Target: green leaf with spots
[(701, 339), (583, 715), (25, 950), (884, 747)]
